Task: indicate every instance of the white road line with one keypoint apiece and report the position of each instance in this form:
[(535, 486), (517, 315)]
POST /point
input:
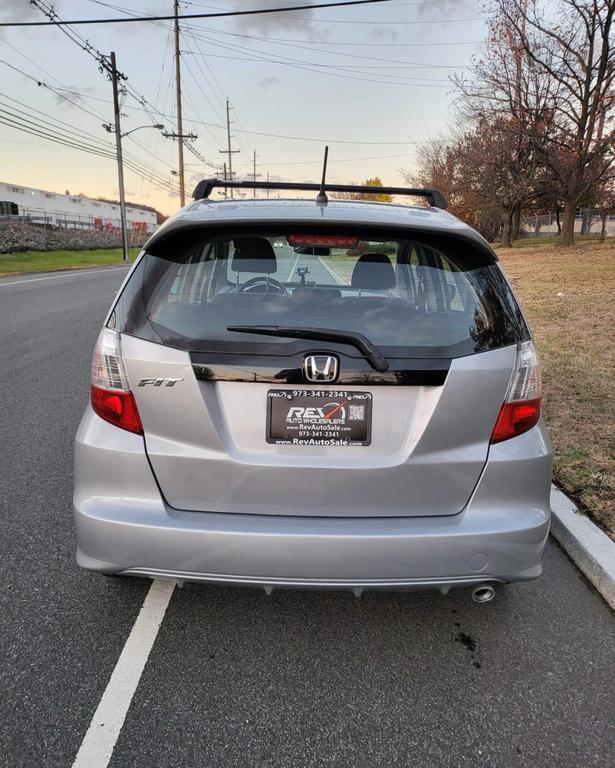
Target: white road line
[(76, 273), (100, 739), (292, 269), (333, 274)]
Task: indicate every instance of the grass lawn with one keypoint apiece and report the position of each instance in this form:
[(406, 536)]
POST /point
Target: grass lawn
[(40, 261), (533, 242), (568, 297)]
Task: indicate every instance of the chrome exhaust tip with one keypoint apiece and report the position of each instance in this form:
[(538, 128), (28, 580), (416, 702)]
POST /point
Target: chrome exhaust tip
[(483, 593)]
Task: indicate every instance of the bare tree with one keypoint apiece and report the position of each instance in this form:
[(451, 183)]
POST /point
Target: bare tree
[(570, 45), (507, 99)]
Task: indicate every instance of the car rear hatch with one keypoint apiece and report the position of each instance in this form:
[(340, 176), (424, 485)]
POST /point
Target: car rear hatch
[(257, 398)]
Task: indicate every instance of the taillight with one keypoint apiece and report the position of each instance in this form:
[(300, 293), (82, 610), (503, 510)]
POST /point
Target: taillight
[(521, 408), (111, 398)]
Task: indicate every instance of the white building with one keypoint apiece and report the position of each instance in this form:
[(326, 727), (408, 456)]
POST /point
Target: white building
[(70, 211)]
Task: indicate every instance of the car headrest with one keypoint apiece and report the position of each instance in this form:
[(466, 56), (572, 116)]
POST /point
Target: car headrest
[(373, 271), (254, 254)]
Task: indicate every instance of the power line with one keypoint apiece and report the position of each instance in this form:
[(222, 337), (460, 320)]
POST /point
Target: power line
[(63, 126), (242, 135), (220, 96), (149, 109), (144, 104), (334, 160), (340, 70), (199, 121), (53, 89), (18, 123), (79, 134), (195, 38), (393, 4), (315, 68), (288, 44), (66, 134), (337, 42), (221, 14), (371, 22), (194, 30), (396, 22), (166, 115), (186, 145), (197, 58), (331, 141), (103, 63), (158, 136), (409, 64), (386, 44), (293, 63), (198, 82)]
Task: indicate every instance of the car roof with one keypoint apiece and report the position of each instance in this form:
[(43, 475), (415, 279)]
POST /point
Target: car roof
[(335, 212)]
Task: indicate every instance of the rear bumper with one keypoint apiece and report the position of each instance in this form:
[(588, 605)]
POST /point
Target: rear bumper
[(336, 552), (500, 536)]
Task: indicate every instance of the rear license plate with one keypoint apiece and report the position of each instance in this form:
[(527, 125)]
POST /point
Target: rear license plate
[(319, 417)]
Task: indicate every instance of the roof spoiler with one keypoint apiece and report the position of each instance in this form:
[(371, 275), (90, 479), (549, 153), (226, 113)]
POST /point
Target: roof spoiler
[(205, 187)]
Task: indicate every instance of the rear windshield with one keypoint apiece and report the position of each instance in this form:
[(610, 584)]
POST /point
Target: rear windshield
[(412, 297)]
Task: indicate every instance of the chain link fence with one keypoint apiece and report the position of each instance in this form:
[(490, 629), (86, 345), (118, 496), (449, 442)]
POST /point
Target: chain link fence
[(587, 222)]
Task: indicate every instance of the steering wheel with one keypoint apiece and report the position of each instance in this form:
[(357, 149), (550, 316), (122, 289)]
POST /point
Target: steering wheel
[(259, 285)]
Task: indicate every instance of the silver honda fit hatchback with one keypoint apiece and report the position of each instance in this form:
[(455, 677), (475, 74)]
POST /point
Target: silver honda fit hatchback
[(289, 393)]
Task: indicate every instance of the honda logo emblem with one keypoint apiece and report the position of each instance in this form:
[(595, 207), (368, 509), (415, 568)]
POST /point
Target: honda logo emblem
[(321, 368)]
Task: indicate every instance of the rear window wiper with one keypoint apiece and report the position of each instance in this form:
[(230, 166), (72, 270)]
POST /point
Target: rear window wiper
[(375, 358)]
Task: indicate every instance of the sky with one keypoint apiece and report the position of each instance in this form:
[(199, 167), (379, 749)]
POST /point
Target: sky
[(372, 82)]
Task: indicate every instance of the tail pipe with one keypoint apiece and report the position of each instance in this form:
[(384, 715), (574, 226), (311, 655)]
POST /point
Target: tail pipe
[(483, 593)]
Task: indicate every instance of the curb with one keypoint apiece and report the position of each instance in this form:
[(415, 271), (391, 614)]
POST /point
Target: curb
[(589, 548)]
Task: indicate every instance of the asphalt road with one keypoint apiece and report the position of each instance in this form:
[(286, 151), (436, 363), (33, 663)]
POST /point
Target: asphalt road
[(236, 678)]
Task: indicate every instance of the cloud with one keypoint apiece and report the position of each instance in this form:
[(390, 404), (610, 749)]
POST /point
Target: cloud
[(268, 82), (72, 97), (446, 8), (299, 21), (194, 178), (385, 34), (17, 10)]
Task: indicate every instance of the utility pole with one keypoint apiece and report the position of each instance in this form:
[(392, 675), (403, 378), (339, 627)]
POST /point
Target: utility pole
[(178, 90), (229, 149), (254, 174), (118, 151), (267, 183)]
